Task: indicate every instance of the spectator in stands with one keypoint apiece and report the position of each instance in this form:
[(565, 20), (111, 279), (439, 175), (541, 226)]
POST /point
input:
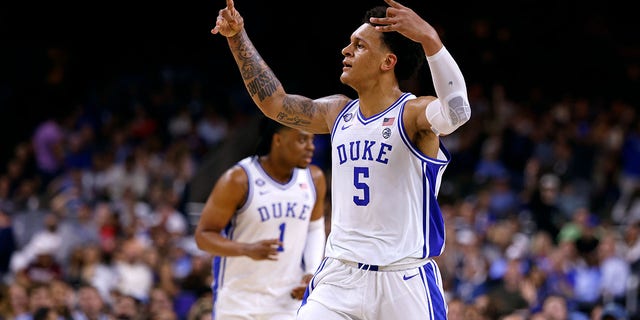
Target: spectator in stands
[(48, 146), (90, 305), (18, 308), (133, 277), (40, 296), (615, 270), (126, 307), (7, 242), (64, 298)]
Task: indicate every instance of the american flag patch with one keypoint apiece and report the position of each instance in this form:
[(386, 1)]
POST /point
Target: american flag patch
[(388, 121)]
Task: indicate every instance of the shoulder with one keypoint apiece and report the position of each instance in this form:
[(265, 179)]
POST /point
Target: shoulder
[(334, 101), (236, 175), (333, 105), (316, 171), (232, 185), (420, 102), (417, 126), (318, 176), (414, 113)]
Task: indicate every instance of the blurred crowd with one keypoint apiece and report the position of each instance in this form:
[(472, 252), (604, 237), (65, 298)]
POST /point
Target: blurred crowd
[(92, 222), (542, 207), (541, 200)]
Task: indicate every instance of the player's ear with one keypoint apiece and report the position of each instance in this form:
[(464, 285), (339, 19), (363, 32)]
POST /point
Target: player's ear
[(389, 62), (277, 138)]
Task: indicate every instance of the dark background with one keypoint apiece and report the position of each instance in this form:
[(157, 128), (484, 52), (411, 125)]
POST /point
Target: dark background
[(564, 47)]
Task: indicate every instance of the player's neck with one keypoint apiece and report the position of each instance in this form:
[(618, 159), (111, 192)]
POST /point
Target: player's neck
[(373, 102), (275, 169)]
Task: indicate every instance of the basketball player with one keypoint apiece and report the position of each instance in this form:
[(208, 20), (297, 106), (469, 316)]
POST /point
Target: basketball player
[(264, 222), (387, 163)]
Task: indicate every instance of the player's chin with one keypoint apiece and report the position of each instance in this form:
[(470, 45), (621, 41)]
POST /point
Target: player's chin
[(304, 162), (344, 78)]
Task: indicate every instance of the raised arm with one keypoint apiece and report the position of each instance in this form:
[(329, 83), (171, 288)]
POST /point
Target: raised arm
[(265, 89), (451, 108)]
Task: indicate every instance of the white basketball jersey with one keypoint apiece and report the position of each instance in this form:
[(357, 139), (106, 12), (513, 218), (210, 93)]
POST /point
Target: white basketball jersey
[(273, 210), (383, 190)]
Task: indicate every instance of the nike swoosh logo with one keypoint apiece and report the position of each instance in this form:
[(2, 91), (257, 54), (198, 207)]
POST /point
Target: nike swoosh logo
[(344, 126), (405, 277)]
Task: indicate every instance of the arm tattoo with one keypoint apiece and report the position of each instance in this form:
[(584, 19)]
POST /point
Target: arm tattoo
[(292, 119), (258, 77), (297, 110), (264, 85), (299, 105), (261, 82), (247, 53)]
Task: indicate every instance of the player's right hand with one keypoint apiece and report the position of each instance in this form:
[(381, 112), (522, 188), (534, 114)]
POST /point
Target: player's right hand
[(229, 21), (264, 249)]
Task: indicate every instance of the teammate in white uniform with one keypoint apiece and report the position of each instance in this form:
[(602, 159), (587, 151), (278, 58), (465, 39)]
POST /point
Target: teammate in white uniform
[(264, 222), (387, 163)]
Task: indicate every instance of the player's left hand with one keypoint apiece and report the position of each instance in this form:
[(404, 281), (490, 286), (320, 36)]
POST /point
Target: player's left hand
[(298, 292)]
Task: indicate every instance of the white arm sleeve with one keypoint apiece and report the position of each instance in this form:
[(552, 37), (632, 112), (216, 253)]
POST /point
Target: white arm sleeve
[(314, 246), (451, 110)]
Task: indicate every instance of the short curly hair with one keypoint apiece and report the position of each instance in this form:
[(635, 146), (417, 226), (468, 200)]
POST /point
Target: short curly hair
[(267, 128)]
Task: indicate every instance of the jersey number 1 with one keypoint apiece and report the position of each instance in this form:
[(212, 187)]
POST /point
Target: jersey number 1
[(282, 227)]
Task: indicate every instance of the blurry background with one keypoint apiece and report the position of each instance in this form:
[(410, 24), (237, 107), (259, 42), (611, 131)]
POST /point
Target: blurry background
[(560, 46), (141, 102)]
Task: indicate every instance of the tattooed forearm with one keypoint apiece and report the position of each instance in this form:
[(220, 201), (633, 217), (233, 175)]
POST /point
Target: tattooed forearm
[(259, 79), (298, 105), (293, 120), (245, 49), (269, 95), (249, 61), (264, 85), (249, 69)]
